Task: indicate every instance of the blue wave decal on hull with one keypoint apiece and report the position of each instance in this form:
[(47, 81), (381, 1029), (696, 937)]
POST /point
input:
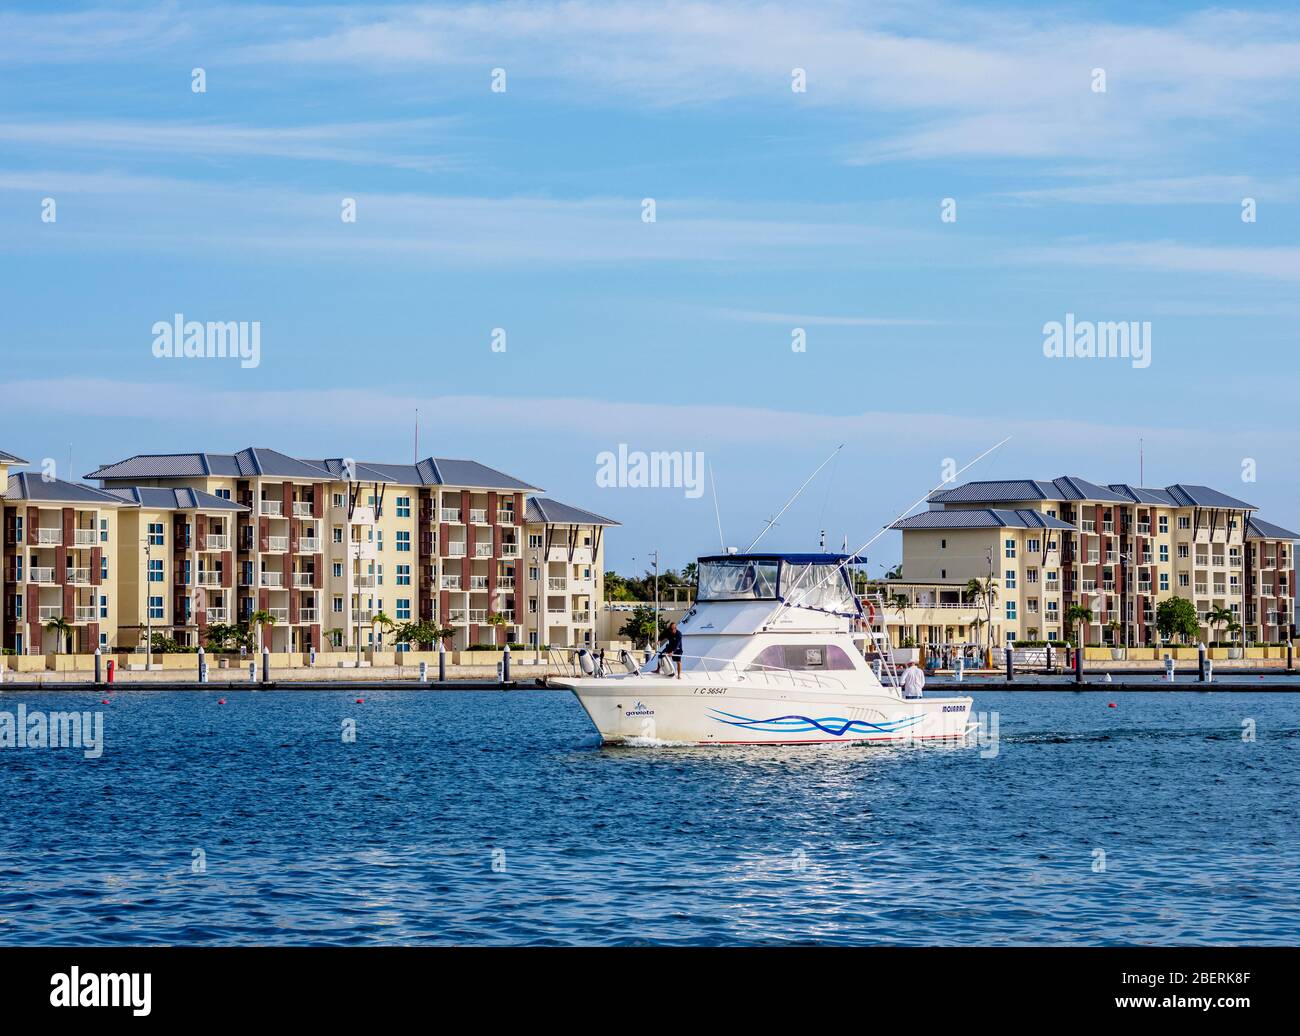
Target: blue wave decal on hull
[(835, 725)]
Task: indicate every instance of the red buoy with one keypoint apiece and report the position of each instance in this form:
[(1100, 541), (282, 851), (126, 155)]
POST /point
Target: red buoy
[(104, 701), (221, 701), (361, 701), (1112, 705)]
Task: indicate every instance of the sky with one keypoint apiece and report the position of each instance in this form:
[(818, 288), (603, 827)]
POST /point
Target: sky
[(803, 282)]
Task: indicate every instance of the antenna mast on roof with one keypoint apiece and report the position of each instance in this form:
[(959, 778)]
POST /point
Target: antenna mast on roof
[(1142, 464), (416, 459)]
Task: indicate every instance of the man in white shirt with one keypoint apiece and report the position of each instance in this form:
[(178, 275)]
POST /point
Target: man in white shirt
[(913, 681)]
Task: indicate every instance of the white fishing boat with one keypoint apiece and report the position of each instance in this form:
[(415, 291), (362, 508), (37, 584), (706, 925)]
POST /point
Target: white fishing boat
[(774, 653)]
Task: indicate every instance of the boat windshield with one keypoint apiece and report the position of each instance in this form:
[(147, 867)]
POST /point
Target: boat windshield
[(821, 587), (742, 579)]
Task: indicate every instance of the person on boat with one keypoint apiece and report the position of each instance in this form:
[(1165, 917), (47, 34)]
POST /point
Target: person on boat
[(673, 647), (913, 681)]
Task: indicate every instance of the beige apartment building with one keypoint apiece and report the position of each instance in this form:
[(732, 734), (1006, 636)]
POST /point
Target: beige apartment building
[(1117, 549), (565, 577), (336, 551)]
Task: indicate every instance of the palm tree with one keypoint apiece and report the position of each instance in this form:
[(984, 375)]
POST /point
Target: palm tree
[(257, 620), (382, 622), (497, 620), (1078, 616), (984, 593), (61, 629), (1217, 617)]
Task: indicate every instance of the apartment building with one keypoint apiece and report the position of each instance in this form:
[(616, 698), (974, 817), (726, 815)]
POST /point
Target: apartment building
[(7, 461), (1117, 549), (565, 579), (58, 548)]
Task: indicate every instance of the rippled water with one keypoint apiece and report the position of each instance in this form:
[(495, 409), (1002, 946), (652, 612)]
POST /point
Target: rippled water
[(393, 838)]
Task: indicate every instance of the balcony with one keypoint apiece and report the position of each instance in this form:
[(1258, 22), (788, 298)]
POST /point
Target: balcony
[(85, 537), (77, 577), (279, 614), (1088, 525), (216, 614), (456, 549), (451, 583), (1144, 588), (510, 550), (305, 580), (1202, 561), (50, 611), (85, 613), (40, 575), (505, 582), (362, 614), (556, 582), (478, 582), (1144, 529), (49, 537), (478, 516), (273, 508), (478, 615), (207, 578), (450, 514), (308, 615), (1094, 557), (456, 616), (273, 579), (505, 517), (581, 617), (303, 509), (309, 545), (277, 543), (216, 541)]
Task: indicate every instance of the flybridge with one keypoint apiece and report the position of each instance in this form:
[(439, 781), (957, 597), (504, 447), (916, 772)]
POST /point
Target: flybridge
[(816, 581)]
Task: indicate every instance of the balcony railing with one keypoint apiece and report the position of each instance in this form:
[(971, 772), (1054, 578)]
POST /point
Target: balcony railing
[(482, 550), (85, 613), (456, 549), (50, 611), (307, 615), (581, 617), (303, 509), (40, 575), (49, 536), (478, 515), (309, 545), (451, 582), (271, 507), (505, 582), (277, 543), (1144, 528), (273, 579), (279, 614), (555, 583), (456, 616), (77, 577), (478, 615), (85, 537), (451, 514), (365, 582), (207, 578), (304, 579), (506, 517), (216, 541), (362, 614), (216, 614), (478, 582), (510, 550)]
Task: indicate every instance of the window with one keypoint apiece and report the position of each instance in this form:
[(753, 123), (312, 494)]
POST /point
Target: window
[(943, 544), (1051, 512), (338, 499), (1032, 546), (186, 569), (1051, 609), (1164, 553), (103, 640), (1183, 522), (379, 575), (338, 570), (403, 542), (404, 608), (18, 568), (532, 606), (943, 573), (103, 530), (155, 607), (403, 575), (403, 507), (1182, 550), (337, 605), (1164, 580), (156, 534), (1009, 580), (1162, 524), (402, 646), (800, 657), (103, 606), (338, 534), (534, 539), (379, 539), (155, 571), (18, 527), (1183, 579), (1011, 609), (1010, 549), (1011, 638)]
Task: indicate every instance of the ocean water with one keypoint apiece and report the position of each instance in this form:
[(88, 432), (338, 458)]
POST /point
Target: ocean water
[(497, 818)]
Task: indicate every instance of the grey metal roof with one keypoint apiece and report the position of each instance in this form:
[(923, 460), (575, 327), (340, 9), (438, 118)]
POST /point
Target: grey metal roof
[(1144, 495), (982, 518), (9, 458), (1204, 496), (256, 461), (162, 498), (1258, 529), (544, 511), (1067, 487), (26, 486)]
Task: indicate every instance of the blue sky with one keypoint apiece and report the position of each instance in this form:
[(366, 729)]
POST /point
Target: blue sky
[(775, 210)]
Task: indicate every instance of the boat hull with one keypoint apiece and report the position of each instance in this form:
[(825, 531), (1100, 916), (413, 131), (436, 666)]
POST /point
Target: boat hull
[(635, 709)]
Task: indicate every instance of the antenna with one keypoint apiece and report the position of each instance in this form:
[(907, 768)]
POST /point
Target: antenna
[(772, 521), (417, 436), (918, 503), (1142, 464), (716, 512)]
